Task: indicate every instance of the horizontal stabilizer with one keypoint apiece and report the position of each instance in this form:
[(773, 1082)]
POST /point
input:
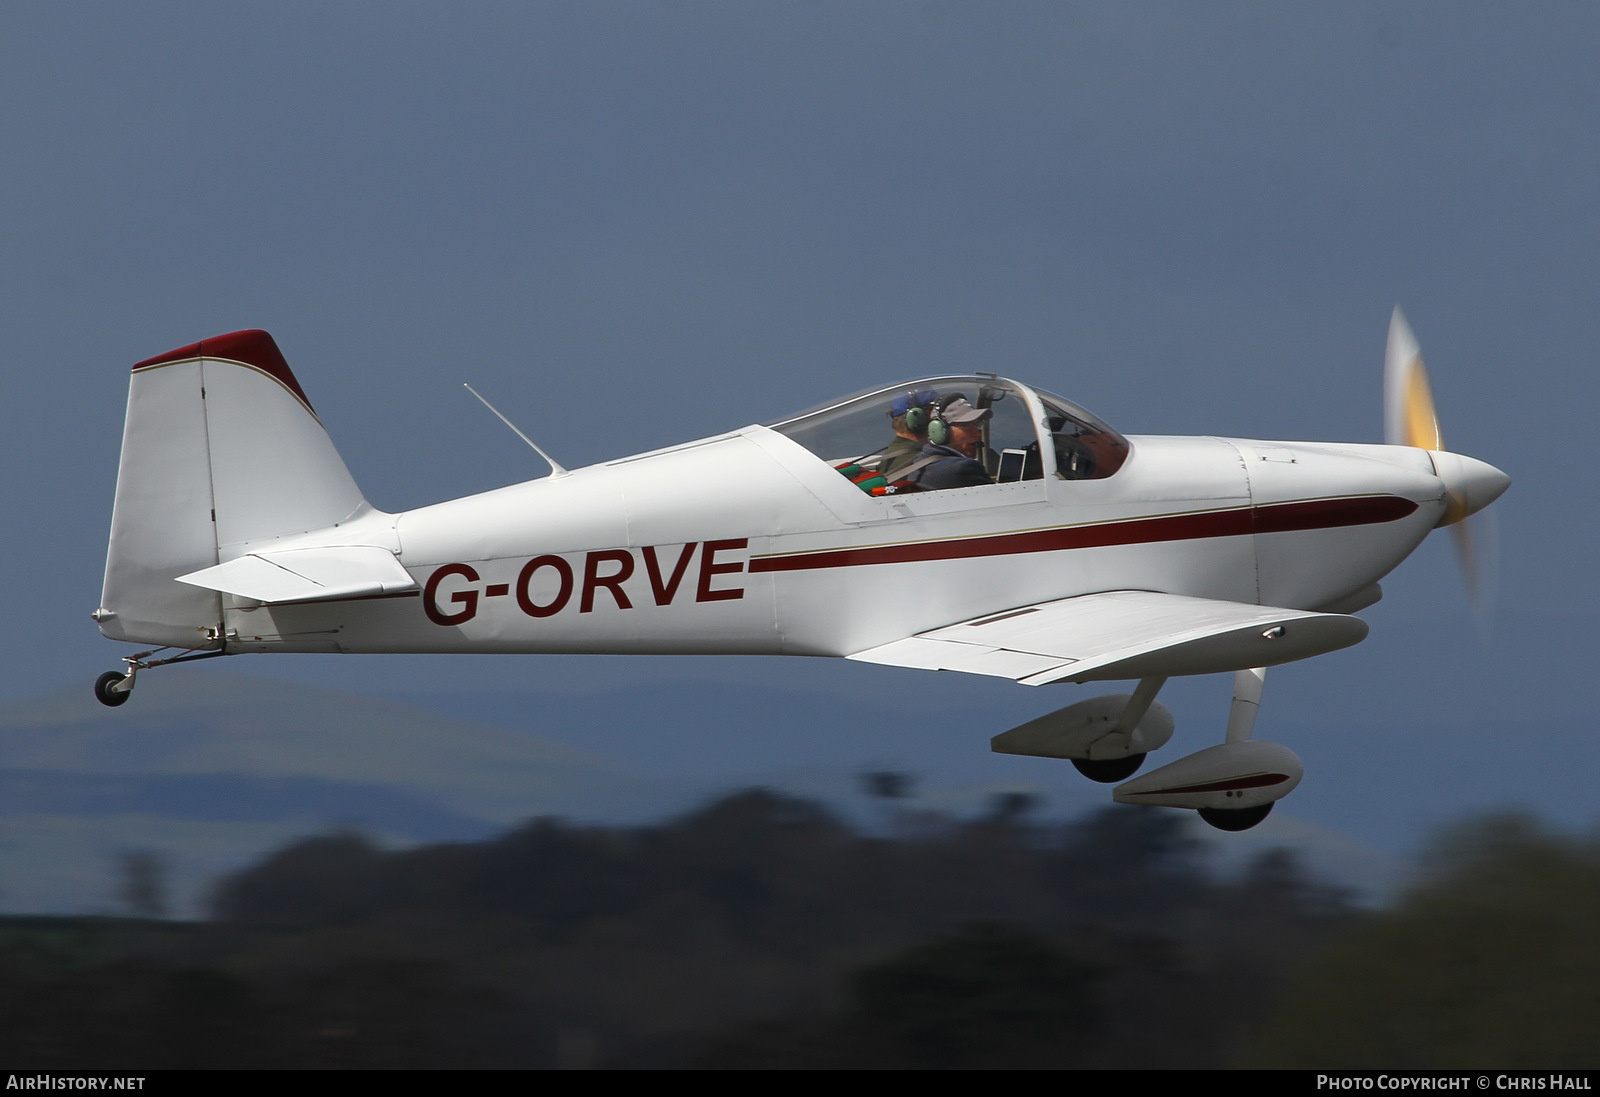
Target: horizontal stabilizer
[(1121, 634), (307, 575)]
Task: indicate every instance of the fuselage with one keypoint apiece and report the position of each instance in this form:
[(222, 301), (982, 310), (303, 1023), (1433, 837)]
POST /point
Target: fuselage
[(751, 543)]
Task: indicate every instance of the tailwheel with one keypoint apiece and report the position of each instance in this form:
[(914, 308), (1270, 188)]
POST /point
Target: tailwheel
[(104, 693), (1108, 771), (1235, 819)]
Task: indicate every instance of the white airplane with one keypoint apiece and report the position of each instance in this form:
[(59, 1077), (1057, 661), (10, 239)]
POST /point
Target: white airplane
[(1080, 555)]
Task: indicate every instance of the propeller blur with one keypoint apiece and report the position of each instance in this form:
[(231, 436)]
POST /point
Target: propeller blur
[(1409, 419)]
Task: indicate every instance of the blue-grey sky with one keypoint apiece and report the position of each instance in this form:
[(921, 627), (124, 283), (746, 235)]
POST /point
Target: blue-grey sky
[(630, 224)]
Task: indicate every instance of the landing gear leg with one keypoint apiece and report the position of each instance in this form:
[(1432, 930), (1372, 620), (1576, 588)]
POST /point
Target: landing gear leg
[(1108, 771), (1247, 687), (1233, 785)]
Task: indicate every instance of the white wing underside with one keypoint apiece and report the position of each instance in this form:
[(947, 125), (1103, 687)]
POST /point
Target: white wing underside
[(1121, 634), (307, 575)]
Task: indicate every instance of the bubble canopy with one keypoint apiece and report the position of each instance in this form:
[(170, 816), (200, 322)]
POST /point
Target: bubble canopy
[(1029, 431)]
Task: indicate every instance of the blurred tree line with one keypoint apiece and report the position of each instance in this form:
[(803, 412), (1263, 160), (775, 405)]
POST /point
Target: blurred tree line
[(760, 931), (1490, 961)]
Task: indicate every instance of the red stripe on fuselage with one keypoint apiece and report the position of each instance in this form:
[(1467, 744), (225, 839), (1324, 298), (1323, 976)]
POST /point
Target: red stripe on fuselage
[(1232, 522)]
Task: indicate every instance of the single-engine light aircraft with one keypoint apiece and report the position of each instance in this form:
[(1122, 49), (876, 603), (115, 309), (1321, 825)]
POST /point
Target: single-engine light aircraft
[(964, 523)]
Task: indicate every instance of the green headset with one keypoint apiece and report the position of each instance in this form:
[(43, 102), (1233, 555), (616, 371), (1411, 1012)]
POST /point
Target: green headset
[(938, 429), (913, 405)]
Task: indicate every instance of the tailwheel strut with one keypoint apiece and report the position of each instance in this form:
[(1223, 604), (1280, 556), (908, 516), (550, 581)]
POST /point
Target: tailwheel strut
[(113, 688)]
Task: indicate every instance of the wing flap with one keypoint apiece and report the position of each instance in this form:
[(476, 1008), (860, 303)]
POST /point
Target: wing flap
[(1121, 634), (307, 575), (926, 653)]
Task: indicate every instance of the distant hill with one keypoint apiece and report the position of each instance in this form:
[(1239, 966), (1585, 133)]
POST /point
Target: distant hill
[(213, 770)]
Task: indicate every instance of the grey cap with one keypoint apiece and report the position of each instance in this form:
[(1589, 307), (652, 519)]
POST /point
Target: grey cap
[(959, 411)]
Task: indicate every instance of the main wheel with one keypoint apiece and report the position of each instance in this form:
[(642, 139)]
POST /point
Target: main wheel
[(1235, 818), (102, 689), (1109, 770)]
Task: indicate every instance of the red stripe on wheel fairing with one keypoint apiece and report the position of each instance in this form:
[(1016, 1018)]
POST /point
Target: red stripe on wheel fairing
[(1228, 784), (1306, 514)]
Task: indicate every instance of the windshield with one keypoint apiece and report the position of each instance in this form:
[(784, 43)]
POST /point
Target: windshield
[(1086, 449)]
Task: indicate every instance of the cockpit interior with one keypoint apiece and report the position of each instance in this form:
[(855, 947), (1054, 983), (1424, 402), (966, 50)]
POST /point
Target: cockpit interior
[(1027, 432)]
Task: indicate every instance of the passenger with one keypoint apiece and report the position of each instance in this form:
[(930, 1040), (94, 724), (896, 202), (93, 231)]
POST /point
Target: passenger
[(909, 417), (949, 459)]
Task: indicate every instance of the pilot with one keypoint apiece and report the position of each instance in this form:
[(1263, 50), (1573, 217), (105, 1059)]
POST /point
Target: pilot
[(955, 437), (909, 417)]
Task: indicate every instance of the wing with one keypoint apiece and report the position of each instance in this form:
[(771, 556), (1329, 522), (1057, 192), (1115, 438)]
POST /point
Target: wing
[(1121, 634), (307, 575)]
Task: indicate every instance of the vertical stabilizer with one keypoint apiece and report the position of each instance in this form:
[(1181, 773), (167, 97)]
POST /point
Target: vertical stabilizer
[(220, 448)]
